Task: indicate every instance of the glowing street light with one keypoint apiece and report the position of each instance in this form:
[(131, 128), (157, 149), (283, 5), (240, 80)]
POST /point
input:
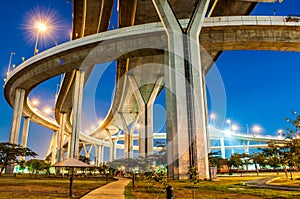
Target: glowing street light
[(234, 127), (213, 118), (9, 63), (256, 129), (35, 102), (47, 110), (280, 132), (41, 27)]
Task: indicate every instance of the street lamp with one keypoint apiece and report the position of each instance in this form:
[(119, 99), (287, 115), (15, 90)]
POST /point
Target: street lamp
[(40, 27), (35, 102), (256, 129), (280, 132), (228, 122), (9, 63), (47, 110), (213, 118), (234, 127)]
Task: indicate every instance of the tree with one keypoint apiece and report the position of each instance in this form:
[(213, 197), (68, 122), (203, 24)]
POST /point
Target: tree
[(258, 159), (194, 177), (9, 154), (235, 161), (36, 165), (84, 159), (22, 165), (160, 157), (214, 159), (245, 158), (274, 154)]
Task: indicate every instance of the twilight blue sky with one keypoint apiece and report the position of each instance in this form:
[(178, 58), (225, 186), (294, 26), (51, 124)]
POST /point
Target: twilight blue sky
[(261, 86)]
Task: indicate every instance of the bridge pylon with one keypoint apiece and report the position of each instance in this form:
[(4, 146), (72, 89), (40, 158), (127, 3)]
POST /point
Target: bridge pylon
[(185, 101)]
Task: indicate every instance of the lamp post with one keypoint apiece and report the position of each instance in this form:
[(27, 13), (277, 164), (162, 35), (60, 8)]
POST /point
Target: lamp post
[(41, 27), (234, 127), (9, 63), (228, 122), (256, 129), (280, 132), (213, 118)]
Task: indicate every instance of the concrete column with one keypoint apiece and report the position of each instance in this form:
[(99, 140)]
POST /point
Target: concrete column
[(197, 119), (25, 131), (54, 147), (77, 108), (185, 135), (145, 131), (98, 154), (222, 145), (88, 152), (69, 144), (25, 134), (17, 115), (101, 154), (128, 137), (145, 119), (61, 135), (177, 121), (246, 147), (111, 151)]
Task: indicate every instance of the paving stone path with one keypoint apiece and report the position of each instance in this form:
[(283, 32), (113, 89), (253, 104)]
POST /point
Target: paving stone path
[(112, 190)]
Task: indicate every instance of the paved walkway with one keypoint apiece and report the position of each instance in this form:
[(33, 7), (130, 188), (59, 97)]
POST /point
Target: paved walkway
[(112, 190), (265, 183)]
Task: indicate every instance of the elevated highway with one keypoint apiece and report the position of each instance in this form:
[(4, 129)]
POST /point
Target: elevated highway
[(258, 33), (217, 35)]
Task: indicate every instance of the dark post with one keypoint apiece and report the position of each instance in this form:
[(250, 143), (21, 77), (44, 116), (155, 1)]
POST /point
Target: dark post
[(170, 192), (133, 179), (71, 183)]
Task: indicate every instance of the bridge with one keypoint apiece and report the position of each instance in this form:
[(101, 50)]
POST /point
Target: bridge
[(149, 46)]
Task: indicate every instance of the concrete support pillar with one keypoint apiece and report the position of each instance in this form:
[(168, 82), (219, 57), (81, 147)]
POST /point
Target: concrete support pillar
[(69, 144), (54, 147), (128, 137), (98, 154), (101, 154), (25, 134), (88, 152), (25, 131), (145, 119), (222, 145), (246, 147), (77, 108), (113, 146), (61, 135), (186, 122), (112, 151), (17, 115), (145, 130)]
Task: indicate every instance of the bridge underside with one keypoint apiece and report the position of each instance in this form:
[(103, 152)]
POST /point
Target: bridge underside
[(142, 59)]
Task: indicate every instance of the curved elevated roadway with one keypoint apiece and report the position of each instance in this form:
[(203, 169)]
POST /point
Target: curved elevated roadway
[(91, 17), (259, 33)]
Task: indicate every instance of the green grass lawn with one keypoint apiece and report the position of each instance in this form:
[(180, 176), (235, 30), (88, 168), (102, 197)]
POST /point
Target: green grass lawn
[(225, 187), (23, 186)]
